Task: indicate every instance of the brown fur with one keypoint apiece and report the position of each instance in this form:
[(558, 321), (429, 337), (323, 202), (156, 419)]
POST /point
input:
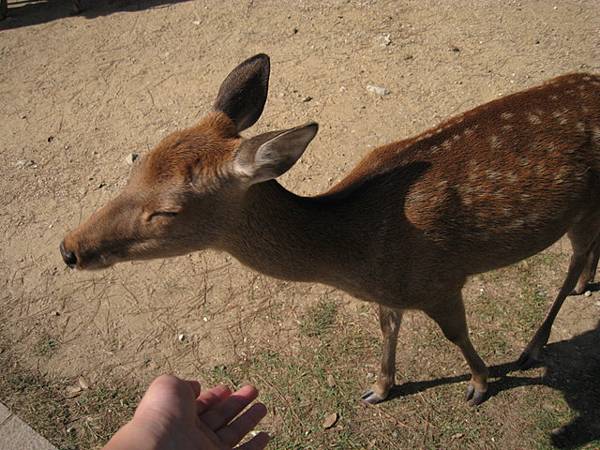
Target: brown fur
[(404, 229)]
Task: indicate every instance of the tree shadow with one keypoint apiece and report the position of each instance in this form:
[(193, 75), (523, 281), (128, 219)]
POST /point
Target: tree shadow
[(23, 13), (572, 367)]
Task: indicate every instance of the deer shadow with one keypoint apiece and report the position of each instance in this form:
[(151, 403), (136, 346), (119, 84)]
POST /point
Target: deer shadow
[(572, 367), (23, 13)]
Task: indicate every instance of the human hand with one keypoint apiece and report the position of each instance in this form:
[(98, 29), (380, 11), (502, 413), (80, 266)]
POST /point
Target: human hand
[(175, 414)]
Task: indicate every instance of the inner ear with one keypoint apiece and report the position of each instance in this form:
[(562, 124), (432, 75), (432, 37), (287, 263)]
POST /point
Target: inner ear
[(243, 94), (270, 155)]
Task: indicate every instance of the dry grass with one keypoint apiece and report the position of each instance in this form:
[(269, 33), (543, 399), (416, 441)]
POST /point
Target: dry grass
[(554, 405)]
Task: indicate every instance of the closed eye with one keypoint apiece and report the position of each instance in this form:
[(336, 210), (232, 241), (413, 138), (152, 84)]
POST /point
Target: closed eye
[(156, 214)]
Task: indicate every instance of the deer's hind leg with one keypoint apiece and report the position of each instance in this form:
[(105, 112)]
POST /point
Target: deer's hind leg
[(589, 271), (585, 238)]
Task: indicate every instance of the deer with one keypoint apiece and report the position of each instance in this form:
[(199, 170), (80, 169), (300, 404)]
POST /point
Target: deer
[(404, 229)]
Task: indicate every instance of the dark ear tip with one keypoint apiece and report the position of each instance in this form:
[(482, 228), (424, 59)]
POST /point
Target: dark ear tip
[(313, 125), (262, 59)]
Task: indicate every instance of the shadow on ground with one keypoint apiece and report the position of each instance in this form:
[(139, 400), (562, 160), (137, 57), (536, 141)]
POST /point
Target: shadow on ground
[(572, 367), (23, 13)]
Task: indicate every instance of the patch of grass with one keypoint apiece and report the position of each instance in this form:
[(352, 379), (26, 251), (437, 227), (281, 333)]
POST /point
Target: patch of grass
[(46, 346), (319, 318)]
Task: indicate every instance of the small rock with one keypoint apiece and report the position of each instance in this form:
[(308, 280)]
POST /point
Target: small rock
[(25, 163), (196, 22), (330, 420), (385, 40), (330, 381), (588, 293), (72, 391), (378, 90), (456, 436), (455, 49), (306, 99), (50, 138), (101, 185), (181, 337), (83, 384), (131, 158), (408, 57), (295, 30)]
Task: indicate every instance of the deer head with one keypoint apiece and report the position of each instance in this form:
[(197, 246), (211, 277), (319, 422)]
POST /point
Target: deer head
[(184, 195)]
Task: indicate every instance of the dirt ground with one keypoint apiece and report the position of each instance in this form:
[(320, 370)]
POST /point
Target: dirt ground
[(80, 93)]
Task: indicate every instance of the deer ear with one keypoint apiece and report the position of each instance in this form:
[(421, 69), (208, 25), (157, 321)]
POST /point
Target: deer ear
[(270, 155), (243, 94)]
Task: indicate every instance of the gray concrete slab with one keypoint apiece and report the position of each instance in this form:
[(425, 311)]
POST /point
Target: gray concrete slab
[(4, 413), (17, 435)]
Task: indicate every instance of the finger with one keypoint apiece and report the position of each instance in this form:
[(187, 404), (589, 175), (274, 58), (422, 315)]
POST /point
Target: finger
[(210, 397), (222, 413), (195, 387), (258, 442), (243, 424)]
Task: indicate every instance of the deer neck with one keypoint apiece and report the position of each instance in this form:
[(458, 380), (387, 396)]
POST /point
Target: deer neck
[(290, 237)]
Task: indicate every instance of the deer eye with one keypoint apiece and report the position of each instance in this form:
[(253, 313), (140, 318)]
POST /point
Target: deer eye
[(157, 214)]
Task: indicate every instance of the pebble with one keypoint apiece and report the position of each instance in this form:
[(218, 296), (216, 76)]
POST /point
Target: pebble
[(72, 391), (83, 384), (181, 337), (306, 99), (330, 381), (330, 420), (385, 40), (131, 158), (26, 163), (378, 90), (588, 293)]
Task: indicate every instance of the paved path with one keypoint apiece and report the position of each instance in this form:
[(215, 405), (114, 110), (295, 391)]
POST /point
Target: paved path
[(17, 435)]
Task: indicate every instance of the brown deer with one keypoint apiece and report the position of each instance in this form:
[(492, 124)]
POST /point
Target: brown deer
[(404, 229)]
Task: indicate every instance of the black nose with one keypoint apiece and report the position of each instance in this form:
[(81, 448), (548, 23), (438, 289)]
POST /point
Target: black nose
[(68, 257)]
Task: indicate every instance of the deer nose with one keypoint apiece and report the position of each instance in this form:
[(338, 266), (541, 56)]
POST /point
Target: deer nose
[(68, 257)]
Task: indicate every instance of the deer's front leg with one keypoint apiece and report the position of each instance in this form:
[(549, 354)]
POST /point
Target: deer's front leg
[(389, 319)]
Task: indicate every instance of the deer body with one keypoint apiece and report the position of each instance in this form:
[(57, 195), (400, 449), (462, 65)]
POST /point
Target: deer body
[(404, 229)]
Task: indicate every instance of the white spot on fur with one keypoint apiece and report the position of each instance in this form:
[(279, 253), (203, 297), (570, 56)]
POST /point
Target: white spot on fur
[(586, 78), (469, 131), (507, 127), (554, 97), (580, 126), (456, 137), (494, 141), (534, 119), (507, 115), (434, 148), (493, 175), (447, 144)]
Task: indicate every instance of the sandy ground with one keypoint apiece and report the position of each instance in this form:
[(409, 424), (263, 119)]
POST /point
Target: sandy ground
[(80, 93)]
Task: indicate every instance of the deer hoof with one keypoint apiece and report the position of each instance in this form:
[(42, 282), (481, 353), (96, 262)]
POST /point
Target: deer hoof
[(372, 398), (474, 396)]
